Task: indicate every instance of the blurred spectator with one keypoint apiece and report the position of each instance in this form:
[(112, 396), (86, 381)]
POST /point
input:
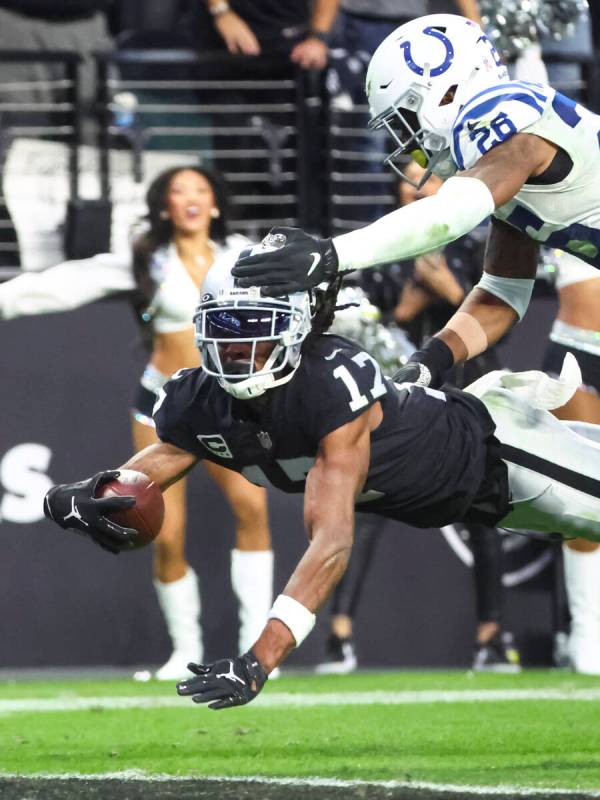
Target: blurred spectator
[(575, 331), (43, 25), (468, 8), (46, 25), (268, 27), (146, 15)]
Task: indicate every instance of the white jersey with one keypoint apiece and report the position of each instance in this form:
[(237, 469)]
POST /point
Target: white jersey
[(565, 215)]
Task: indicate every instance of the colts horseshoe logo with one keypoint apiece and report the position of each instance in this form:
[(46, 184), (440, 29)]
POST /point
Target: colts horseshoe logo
[(441, 68)]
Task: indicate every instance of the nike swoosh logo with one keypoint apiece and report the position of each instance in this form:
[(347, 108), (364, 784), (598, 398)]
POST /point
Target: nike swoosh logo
[(315, 263)]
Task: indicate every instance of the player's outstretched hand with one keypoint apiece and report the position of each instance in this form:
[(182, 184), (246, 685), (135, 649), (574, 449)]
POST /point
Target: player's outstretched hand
[(287, 260), (74, 506), (226, 683)]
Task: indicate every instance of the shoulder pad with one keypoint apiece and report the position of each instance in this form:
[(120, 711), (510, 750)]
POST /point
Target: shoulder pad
[(493, 116)]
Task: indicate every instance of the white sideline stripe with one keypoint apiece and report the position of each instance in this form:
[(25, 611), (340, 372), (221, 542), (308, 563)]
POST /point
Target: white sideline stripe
[(289, 699), (140, 776)]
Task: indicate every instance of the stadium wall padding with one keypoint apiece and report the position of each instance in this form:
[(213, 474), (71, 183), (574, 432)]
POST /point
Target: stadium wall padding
[(68, 381)]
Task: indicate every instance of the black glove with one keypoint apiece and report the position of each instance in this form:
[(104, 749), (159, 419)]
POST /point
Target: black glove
[(74, 506), (428, 366), (226, 683), (287, 260)]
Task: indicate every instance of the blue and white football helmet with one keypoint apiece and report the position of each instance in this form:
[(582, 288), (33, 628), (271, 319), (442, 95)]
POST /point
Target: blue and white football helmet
[(419, 78), (227, 312)]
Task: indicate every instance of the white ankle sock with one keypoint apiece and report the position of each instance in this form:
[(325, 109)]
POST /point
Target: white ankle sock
[(582, 580), (252, 581), (179, 602)]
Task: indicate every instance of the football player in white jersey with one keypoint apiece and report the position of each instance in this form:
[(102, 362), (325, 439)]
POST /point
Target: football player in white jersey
[(518, 151)]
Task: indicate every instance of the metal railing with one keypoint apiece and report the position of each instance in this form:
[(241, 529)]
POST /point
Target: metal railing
[(256, 120), (290, 154)]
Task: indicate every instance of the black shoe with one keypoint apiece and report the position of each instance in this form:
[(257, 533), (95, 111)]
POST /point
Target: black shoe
[(340, 658), (497, 655)]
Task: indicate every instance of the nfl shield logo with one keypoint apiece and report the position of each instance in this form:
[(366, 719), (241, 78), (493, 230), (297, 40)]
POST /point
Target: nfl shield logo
[(265, 440)]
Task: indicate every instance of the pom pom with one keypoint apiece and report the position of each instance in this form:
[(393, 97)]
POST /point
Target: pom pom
[(510, 24), (558, 17), (513, 25)]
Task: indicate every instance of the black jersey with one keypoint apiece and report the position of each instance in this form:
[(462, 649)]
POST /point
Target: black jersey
[(430, 456)]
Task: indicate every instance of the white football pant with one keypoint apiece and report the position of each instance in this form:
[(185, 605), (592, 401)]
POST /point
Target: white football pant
[(553, 468)]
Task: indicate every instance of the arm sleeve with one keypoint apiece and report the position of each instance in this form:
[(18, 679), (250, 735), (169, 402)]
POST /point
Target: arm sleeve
[(459, 206), (66, 286)]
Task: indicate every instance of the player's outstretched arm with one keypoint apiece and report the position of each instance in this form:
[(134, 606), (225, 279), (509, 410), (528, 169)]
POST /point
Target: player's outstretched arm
[(332, 485), (163, 463), (290, 260), (76, 506), (66, 286), (486, 314)]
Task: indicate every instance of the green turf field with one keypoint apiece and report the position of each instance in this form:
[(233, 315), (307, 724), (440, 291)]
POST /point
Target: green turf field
[(535, 730)]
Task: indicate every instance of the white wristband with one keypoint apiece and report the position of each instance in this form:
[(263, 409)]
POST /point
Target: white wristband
[(294, 616)]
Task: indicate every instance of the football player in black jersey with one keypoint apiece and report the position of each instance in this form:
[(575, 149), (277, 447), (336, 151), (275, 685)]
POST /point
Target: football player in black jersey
[(284, 403)]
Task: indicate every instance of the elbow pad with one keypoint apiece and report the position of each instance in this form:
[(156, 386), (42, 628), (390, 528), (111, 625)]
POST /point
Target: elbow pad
[(460, 205), (515, 292)]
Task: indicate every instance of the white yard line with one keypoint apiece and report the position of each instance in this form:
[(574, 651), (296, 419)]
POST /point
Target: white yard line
[(299, 700), (141, 776)]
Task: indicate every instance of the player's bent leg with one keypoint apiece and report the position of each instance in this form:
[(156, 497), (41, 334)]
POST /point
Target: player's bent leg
[(252, 558), (553, 472), (540, 503), (175, 582)]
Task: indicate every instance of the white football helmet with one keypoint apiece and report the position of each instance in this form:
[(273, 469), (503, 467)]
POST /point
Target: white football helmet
[(228, 313), (419, 78)]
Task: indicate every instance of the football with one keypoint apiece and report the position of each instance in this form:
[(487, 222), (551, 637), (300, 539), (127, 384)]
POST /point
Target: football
[(146, 516)]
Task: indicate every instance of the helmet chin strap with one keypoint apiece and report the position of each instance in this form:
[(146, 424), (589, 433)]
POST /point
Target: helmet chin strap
[(256, 385)]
